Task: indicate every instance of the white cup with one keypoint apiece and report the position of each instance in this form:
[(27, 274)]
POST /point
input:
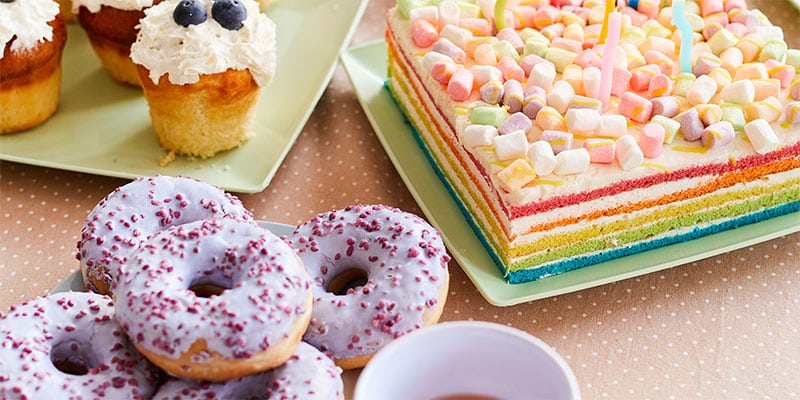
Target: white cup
[(469, 360)]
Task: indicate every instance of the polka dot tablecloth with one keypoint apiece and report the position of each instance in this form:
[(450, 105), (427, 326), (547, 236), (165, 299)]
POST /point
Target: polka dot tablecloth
[(719, 328)]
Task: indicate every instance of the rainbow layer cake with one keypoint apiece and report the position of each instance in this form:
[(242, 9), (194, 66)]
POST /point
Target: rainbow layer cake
[(573, 132)]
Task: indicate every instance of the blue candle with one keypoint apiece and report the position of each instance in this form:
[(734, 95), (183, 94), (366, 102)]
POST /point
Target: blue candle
[(634, 4), (679, 20)]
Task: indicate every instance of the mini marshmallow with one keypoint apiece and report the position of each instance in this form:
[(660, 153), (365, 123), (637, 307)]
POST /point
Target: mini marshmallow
[(513, 95), (549, 118), (484, 54), (536, 46), (488, 115), (733, 113), (620, 79), (559, 57), (740, 92), (510, 69), (448, 48), (443, 71), (574, 161), (691, 125), (706, 63), (635, 107), (541, 157), (545, 16), (543, 75), (426, 13), (516, 175), (721, 40), (721, 76), (449, 13), (773, 50), (660, 85), (591, 82), (573, 75), (708, 7), (663, 61), (633, 56), (794, 90), (671, 127), (709, 113), (560, 95), (612, 125), (782, 72), (667, 106), (717, 135), (750, 71), (750, 46), (601, 150), (659, 44), (478, 26), (702, 90), (629, 155), (478, 136), (527, 62), (572, 46), (553, 31), (766, 88), (510, 146), (582, 120), (761, 136), (515, 122), (460, 86), (512, 37), (768, 109), (792, 113), (459, 36), (535, 100), (731, 58), (485, 73), (491, 92), (683, 82), (424, 33), (558, 140), (651, 141), (588, 58), (505, 49)]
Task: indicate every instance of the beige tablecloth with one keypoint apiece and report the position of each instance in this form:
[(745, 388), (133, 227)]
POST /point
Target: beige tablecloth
[(722, 327)]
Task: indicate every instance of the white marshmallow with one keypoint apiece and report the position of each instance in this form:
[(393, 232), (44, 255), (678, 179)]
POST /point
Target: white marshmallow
[(486, 73), (560, 95), (761, 136), (543, 75), (449, 14), (478, 136), (582, 120), (612, 125), (428, 13), (510, 146), (459, 36), (629, 155), (591, 82), (740, 92), (541, 157), (702, 90), (573, 161), (431, 58)]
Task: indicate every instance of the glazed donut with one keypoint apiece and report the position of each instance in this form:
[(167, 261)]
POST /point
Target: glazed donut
[(403, 266), (307, 375), (69, 346), (133, 212), (214, 299)]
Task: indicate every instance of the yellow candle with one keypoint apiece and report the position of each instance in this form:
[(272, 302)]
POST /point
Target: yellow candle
[(610, 4)]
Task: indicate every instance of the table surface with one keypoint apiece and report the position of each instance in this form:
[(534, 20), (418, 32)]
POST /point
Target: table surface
[(722, 327)]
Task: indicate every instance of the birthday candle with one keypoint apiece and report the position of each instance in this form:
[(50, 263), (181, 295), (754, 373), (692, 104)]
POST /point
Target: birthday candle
[(679, 20), (609, 53), (500, 14), (610, 4)]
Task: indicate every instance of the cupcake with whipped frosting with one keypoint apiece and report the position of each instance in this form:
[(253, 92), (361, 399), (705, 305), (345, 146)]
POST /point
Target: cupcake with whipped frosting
[(202, 65), (32, 36), (111, 26)]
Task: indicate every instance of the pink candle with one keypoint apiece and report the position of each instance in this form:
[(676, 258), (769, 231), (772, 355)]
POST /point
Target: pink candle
[(609, 52)]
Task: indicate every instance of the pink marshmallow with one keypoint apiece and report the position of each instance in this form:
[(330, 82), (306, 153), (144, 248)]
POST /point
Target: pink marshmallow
[(588, 58), (792, 113), (664, 63), (528, 62), (601, 151), (780, 71), (641, 76), (651, 141), (424, 33), (691, 124), (573, 46), (515, 122), (478, 26), (510, 69), (635, 107), (460, 86), (513, 95), (660, 85), (442, 71), (708, 7), (717, 135), (559, 140), (620, 80), (448, 48), (545, 16)]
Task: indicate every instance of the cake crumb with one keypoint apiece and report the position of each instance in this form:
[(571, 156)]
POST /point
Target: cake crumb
[(167, 159)]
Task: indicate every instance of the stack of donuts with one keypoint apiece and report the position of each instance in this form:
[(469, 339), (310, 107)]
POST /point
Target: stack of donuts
[(189, 297)]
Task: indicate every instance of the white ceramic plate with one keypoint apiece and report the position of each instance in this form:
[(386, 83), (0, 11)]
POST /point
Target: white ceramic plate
[(74, 282), (104, 128), (367, 65)]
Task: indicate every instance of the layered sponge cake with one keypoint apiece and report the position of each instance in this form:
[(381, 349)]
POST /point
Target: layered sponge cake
[(574, 132)]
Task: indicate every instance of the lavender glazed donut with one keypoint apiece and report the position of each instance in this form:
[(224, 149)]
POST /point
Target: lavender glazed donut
[(214, 299), (69, 346), (133, 212), (307, 375), (402, 267)]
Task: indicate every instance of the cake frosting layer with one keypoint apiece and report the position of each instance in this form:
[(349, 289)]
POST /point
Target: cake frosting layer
[(553, 222)]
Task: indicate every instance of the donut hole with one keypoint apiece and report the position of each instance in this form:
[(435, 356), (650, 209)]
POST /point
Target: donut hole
[(348, 279), (72, 358), (207, 289)]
